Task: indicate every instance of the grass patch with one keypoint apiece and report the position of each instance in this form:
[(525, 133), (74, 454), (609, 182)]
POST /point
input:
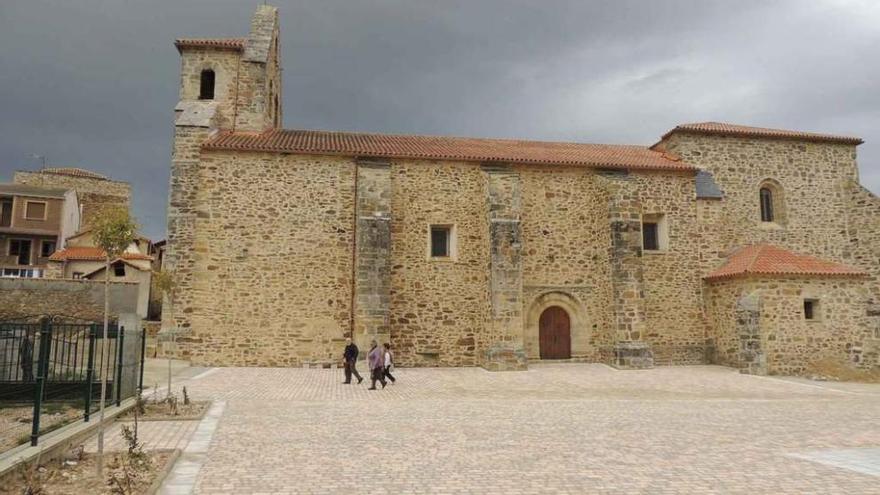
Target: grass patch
[(830, 369)]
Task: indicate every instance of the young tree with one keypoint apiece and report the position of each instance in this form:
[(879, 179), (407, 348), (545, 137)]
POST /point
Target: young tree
[(165, 281), (113, 230)]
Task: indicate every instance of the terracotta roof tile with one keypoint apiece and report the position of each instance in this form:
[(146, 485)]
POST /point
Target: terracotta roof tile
[(88, 253), (222, 43), (446, 148), (76, 172), (746, 131), (765, 259)]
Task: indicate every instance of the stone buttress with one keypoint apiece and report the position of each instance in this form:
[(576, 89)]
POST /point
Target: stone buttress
[(503, 344), (627, 276), (372, 272)]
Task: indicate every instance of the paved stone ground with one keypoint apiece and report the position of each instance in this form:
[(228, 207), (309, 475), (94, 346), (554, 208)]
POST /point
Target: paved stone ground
[(567, 428), (153, 434)]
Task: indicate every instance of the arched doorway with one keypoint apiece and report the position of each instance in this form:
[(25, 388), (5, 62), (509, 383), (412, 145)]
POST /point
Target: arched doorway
[(554, 334)]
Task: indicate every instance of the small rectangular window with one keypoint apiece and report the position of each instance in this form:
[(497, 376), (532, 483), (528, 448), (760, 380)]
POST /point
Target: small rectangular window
[(119, 269), (47, 248), (650, 237), (78, 275), (35, 210), (811, 309), (440, 241)]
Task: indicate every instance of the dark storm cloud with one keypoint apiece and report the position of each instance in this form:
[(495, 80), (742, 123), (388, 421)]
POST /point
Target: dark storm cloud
[(92, 83)]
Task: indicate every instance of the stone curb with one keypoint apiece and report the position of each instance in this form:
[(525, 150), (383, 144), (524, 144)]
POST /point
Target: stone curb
[(166, 470), (179, 418)]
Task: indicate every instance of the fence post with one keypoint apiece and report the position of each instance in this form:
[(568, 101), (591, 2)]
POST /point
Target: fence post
[(120, 335), (42, 369), (143, 355), (90, 371)]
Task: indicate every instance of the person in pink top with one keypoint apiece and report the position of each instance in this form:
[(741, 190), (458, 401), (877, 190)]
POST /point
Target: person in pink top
[(376, 360)]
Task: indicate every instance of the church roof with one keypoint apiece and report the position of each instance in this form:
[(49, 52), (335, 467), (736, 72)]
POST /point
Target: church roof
[(720, 128), (765, 259), (446, 148), (222, 43)]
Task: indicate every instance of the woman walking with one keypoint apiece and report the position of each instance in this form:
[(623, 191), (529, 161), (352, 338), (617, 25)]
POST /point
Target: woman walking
[(389, 362), (376, 358)]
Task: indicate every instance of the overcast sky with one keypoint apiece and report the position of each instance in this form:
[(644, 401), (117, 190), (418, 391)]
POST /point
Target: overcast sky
[(92, 83)]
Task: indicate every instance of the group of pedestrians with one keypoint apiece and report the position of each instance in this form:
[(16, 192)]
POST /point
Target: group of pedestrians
[(380, 360)]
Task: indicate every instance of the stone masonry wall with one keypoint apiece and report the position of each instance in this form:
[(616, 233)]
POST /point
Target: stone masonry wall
[(182, 212), (439, 306), (815, 180), (864, 232), (373, 257), (23, 299), (790, 342), (671, 276), (226, 66), (272, 263), (565, 256), (824, 212)]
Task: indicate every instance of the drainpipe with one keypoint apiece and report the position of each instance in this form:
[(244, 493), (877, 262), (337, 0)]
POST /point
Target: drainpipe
[(353, 301)]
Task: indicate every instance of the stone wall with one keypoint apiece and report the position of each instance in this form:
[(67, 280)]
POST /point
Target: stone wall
[(372, 305), (565, 256), (674, 325), (24, 299), (93, 194), (841, 330), (268, 278), (439, 307), (864, 233), (226, 67), (815, 180), (277, 267)]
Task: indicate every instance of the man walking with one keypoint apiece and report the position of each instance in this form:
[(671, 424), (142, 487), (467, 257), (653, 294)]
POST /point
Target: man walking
[(376, 359), (350, 356)]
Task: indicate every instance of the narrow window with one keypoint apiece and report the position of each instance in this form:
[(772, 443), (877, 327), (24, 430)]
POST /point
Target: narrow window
[(811, 309), (654, 232), (78, 275), (47, 248), (766, 205), (206, 91), (440, 241), (119, 269), (35, 210), (5, 213), (649, 236)]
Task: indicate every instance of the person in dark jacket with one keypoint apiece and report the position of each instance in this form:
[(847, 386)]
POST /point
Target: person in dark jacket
[(350, 356)]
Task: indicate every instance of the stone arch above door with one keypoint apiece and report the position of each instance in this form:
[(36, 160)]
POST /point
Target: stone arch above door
[(579, 323)]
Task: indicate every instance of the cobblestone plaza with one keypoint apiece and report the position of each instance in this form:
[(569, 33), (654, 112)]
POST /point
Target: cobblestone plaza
[(566, 428)]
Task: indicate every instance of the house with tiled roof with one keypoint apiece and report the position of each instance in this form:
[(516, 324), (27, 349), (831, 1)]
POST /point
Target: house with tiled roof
[(750, 247), (82, 259), (94, 190), (34, 222)]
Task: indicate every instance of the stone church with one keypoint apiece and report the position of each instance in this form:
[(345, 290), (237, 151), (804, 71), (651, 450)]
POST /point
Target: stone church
[(750, 247)]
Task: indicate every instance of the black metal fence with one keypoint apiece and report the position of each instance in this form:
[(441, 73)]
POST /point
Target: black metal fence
[(54, 372)]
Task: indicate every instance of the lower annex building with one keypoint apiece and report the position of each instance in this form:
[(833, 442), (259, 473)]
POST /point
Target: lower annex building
[(751, 247)]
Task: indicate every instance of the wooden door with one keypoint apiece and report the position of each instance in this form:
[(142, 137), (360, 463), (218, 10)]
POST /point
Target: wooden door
[(554, 328)]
